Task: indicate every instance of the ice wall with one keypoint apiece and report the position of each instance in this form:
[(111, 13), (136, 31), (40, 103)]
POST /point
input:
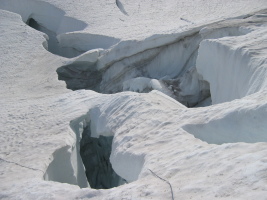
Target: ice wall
[(67, 165), (235, 67)]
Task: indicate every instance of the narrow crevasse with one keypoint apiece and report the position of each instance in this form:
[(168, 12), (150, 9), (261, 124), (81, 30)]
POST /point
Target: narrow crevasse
[(95, 153), (53, 44), (50, 20), (87, 162), (121, 7)]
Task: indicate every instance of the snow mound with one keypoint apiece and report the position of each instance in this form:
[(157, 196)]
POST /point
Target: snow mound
[(244, 124)]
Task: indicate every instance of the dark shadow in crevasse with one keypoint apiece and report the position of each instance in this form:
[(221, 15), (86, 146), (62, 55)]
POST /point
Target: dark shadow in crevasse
[(53, 44), (95, 153), (80, 75)]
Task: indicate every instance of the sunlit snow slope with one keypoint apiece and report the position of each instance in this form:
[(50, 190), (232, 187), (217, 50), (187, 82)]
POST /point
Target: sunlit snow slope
[(133, 99)]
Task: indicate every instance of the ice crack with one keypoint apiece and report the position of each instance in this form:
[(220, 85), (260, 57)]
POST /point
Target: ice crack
[(12, 162), (121, 7), (154, 174)]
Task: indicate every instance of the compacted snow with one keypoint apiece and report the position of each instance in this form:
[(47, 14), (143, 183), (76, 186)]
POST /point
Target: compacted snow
[(133, 99)]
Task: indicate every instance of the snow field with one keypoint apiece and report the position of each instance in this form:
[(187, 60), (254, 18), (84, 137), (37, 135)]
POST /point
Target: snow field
[(204, 153)]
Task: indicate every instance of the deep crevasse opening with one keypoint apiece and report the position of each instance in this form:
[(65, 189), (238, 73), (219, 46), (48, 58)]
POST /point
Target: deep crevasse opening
[(170, 68), (95, 153), (144, 72), (87, 162)]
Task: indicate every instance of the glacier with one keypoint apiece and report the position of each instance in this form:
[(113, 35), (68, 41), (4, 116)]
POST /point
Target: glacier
[(133, 99)]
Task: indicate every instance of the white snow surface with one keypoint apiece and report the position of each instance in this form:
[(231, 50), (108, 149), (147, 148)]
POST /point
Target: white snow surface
[(213, 152)]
